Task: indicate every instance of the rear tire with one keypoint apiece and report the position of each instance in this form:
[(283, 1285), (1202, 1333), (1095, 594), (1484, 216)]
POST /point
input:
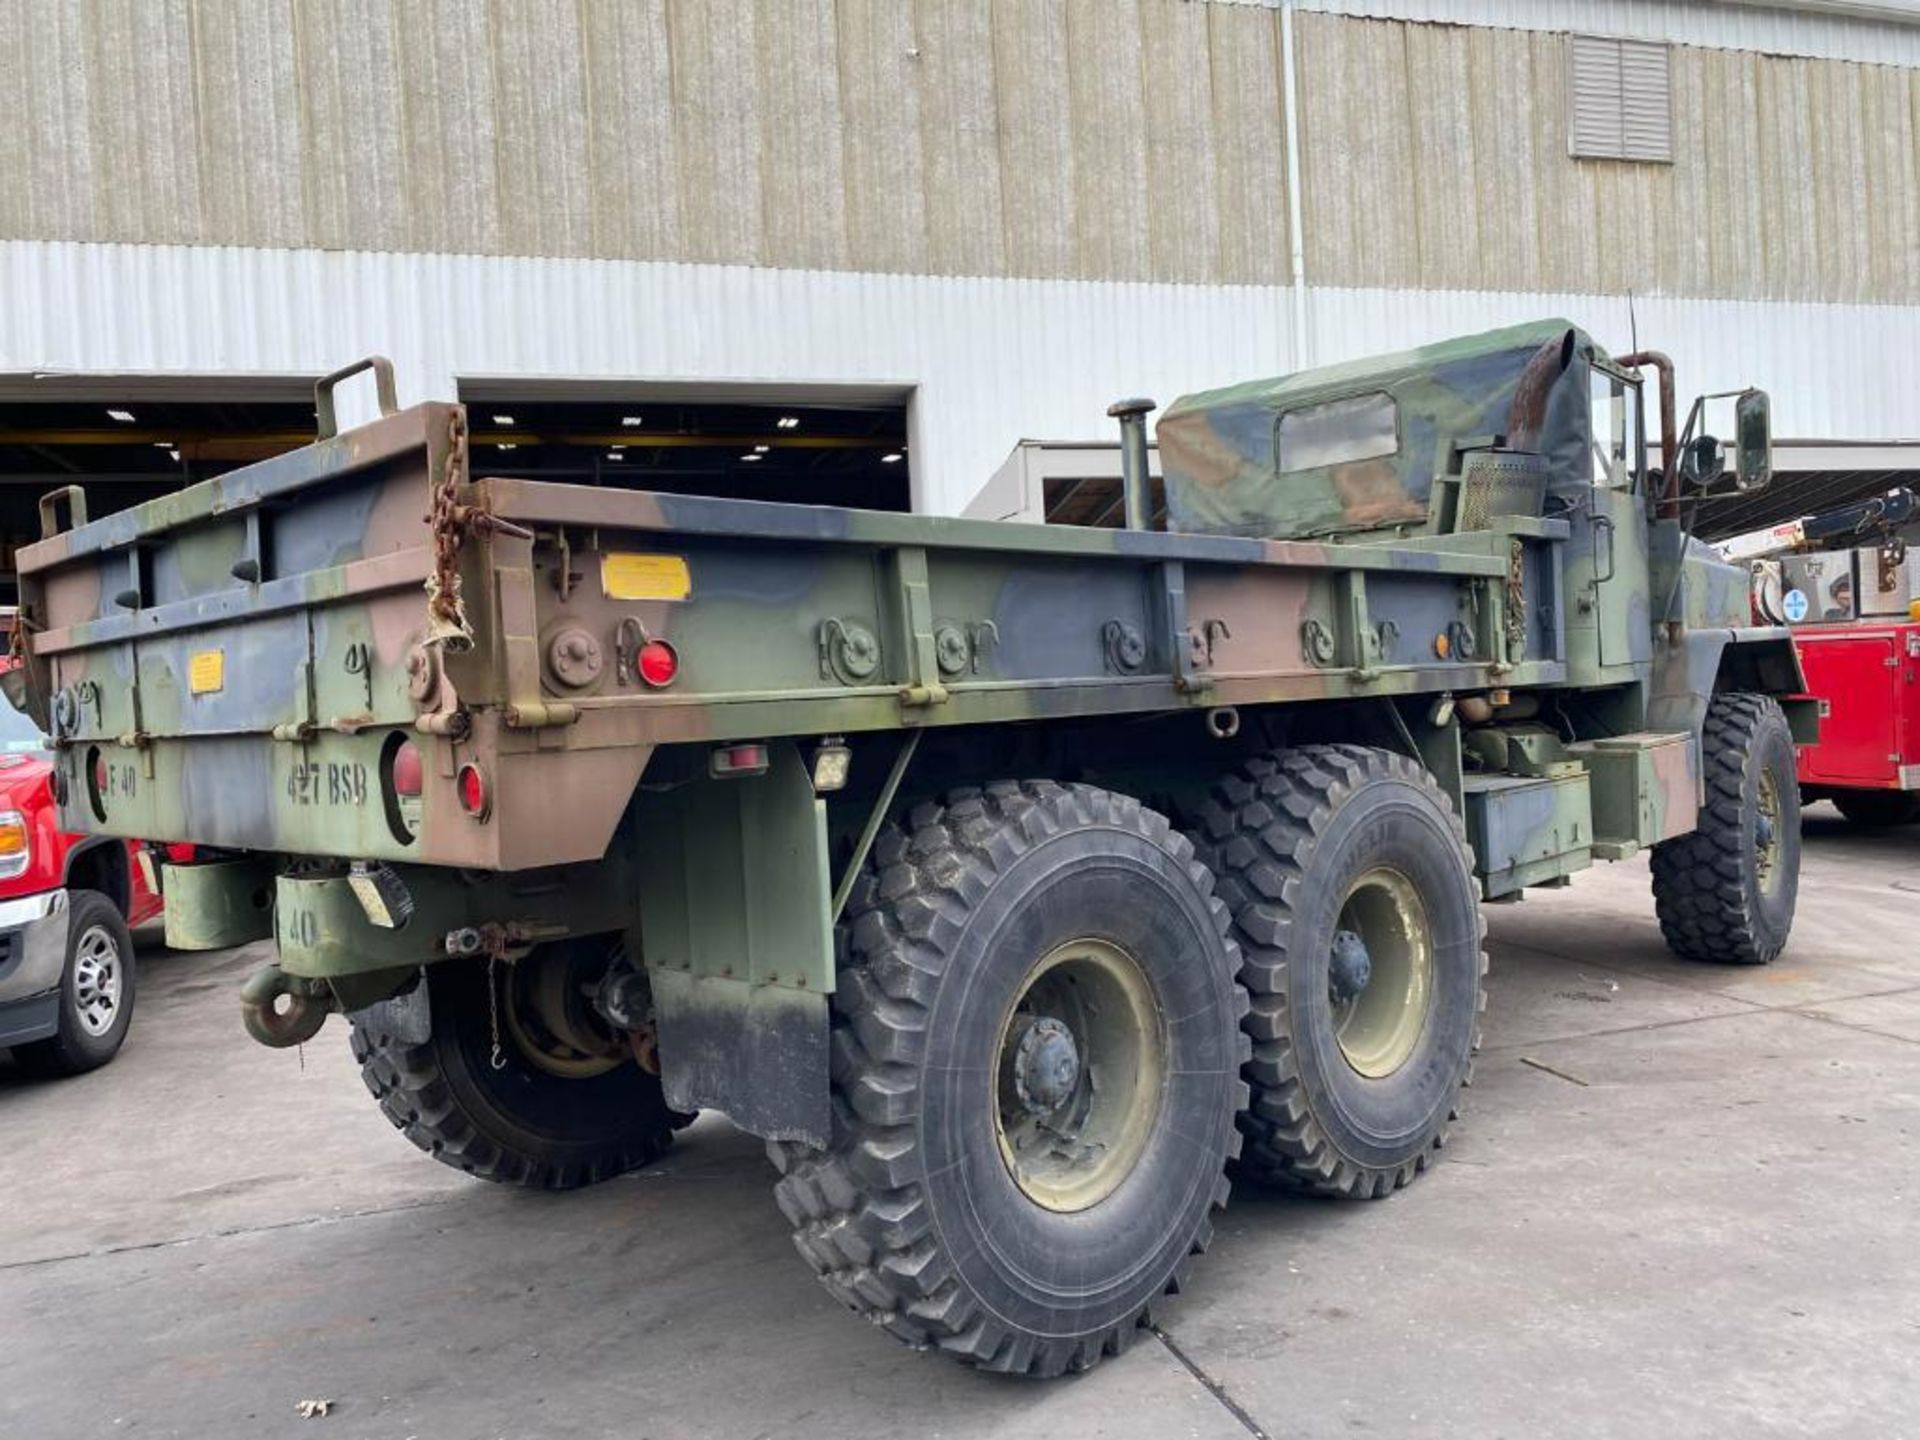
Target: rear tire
[(1357, 1067), (96, 991), (520, 1124), (1725, 893), (1036, 1056), (1877, 809)]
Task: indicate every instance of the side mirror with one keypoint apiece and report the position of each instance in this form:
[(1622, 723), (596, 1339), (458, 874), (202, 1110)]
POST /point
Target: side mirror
[(1753, 441), (1702, 462)]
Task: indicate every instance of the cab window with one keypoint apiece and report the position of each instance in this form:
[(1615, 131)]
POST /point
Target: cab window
[(1356, 427), (1616, 430)]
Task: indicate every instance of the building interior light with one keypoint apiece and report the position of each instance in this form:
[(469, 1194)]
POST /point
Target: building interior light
[(892, 457), (788, 422), (629, 420), (503, 419), (125, 417)]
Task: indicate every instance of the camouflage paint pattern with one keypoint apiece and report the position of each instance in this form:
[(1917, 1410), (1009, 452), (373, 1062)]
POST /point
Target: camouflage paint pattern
[(238, 665), (1220, 456)]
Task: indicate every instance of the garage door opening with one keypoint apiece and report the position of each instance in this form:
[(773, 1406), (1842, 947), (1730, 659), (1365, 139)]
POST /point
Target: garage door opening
[(128, 438), (809, 444)]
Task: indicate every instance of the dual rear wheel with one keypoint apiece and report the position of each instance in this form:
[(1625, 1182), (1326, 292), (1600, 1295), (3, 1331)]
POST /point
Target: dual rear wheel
[(1058, 1022)]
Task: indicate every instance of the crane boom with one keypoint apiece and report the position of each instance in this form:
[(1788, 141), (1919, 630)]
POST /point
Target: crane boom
[(1875, 515)]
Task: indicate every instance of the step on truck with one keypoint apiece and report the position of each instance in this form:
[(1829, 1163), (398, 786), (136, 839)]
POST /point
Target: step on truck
[(1017, 883)]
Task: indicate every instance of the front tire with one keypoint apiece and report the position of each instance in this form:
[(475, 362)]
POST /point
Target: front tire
[(1725, 893), (96, 991), (1036, 1055), (1353, 897), (545, 1118)]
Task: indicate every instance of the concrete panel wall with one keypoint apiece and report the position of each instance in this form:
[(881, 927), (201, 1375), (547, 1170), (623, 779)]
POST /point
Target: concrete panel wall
[(947, 137), (1436, 157), (1083, 139)]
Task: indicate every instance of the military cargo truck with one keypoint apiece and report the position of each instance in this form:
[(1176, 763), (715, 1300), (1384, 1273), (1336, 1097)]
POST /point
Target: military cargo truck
[(1012, 881)]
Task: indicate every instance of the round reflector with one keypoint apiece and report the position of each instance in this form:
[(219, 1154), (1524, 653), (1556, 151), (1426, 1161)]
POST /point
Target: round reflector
[(659, 663), (475, 798), (408, 773)]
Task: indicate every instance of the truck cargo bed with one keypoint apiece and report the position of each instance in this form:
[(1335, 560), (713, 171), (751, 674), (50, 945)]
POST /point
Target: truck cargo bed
[(267, 634)]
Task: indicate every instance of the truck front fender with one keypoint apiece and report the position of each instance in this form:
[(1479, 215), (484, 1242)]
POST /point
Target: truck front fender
[(1691, 666)]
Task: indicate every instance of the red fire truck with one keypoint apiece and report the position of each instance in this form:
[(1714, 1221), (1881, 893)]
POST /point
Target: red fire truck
[(1844, 581)]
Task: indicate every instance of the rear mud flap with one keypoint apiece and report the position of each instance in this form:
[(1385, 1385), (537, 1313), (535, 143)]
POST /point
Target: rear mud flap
[(758, 1053), (737, 936)]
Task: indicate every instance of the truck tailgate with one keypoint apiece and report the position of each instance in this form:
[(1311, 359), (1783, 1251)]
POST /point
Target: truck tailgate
[(206, 660)]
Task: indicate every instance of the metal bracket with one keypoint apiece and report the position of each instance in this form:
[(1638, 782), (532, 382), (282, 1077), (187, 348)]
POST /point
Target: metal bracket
[(875, 819), (1316, 641), (1124, 646), (849, 651)]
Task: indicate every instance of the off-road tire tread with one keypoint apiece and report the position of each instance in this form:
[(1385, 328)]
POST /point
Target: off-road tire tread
[(1699, 890), (861, 1219), (411, 1086), (1256, 833)]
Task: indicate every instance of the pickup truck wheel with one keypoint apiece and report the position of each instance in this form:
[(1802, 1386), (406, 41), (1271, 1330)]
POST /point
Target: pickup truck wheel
[(1351, 885), (96, 991), (1725, 893), (1036, 1053), (558, 1112), (1877, 809)]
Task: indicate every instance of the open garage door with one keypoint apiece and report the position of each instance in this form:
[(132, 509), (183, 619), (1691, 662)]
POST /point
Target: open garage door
[(127, 438), (803, 444)]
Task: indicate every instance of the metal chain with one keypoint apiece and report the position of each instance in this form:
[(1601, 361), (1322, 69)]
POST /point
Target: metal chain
[(498, 1058), (446, 614)]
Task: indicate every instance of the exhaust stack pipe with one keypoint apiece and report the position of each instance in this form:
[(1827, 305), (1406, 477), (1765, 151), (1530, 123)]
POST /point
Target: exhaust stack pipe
[(1136, 483)]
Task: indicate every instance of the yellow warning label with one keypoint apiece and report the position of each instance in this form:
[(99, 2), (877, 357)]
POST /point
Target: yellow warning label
[(207, 671), (645, 577)]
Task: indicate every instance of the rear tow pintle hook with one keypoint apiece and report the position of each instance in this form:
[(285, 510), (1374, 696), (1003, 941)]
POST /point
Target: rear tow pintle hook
[(309, 1002)]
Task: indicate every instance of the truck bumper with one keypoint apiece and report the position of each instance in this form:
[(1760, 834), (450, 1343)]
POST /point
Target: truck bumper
[(33, 955)]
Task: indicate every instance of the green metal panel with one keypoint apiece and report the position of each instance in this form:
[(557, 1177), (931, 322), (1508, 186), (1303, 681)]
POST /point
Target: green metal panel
[(733, 878), (1527, 831), (216, 903)]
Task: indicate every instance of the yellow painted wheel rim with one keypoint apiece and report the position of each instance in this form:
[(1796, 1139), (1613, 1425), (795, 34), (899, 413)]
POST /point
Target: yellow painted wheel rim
[(1071, 1155), (1379, 1028)]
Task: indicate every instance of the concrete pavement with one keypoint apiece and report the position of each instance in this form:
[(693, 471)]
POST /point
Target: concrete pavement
[(1681, 1201)]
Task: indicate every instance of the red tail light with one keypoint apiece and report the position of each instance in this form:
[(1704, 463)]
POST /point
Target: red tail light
[(476, 796), (408, 772), (659, 663)]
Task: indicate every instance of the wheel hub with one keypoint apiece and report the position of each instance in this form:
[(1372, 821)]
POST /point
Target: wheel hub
[(1350, 967), (96, 981), (546, 1006), (1766, 832), (1078, 1075), (1380, 972), (1046, 1064)]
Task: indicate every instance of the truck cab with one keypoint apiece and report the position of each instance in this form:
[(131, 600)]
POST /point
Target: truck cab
[(67, 902)]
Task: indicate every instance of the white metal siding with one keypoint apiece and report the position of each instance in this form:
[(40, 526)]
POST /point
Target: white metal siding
[(1775, 30), (991, 360)]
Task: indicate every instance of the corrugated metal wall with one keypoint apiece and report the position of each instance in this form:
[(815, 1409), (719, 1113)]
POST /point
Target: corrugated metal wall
[(1088, 139), (957, 137), (992, 361), (1435, 156), (1777, 27)]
